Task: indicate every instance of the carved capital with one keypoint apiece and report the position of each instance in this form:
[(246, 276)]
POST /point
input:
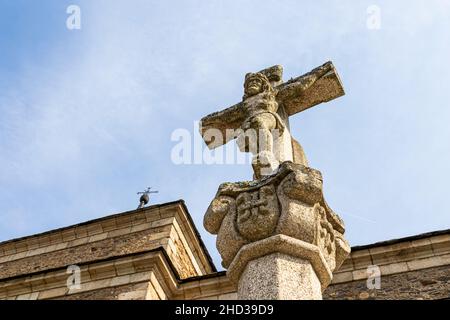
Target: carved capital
[(289, 203)]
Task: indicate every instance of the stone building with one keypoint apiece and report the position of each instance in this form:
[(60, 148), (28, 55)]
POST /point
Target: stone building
[(156, 253)]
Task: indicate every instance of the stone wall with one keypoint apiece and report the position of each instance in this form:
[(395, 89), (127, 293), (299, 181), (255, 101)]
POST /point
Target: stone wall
[(91, 251), (126, 292), (416, 267), (425, 284)]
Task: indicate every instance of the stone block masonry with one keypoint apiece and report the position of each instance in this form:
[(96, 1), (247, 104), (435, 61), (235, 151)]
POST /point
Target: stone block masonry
[(156, 253)]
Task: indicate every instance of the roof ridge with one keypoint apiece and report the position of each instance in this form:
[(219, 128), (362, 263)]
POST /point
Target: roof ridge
[(180, 201)]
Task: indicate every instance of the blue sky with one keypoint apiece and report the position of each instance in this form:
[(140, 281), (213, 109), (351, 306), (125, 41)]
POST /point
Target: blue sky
[(86, 116)]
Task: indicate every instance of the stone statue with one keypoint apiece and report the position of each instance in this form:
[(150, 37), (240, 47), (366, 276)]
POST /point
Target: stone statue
[(277, 236), (261, 121)]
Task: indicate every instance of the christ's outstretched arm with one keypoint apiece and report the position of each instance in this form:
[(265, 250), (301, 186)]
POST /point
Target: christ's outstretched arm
[(295, 87)]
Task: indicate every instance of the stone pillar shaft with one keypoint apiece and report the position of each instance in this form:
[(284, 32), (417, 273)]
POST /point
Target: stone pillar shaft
[(279, 276)]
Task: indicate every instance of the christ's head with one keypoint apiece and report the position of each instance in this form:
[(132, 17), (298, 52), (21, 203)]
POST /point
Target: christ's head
[(255, 83)]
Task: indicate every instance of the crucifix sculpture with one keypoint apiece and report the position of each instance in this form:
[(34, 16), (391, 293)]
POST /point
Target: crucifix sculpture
[(260, 122), (277, 236)]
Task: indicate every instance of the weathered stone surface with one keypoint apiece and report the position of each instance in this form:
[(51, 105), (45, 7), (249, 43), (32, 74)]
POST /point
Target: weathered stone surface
[(244, 212), (281, 244), (128, 277), (257, 213), (218, 210), (181, 260), (124, 292), (167, 227), (425, 284), (121, 245), (229, 242), (281, 213), (303, 185), (298, 154), (279, 277), (261, 121), (298, 94)]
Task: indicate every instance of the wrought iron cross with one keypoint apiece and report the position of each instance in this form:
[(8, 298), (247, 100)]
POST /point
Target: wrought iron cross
[(145, 198)]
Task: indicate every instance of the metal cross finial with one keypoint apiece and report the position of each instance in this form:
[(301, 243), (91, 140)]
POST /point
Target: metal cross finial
[(144, 199)]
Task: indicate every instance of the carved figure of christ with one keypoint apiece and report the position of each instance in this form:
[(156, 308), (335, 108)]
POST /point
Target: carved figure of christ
[(260, 122)]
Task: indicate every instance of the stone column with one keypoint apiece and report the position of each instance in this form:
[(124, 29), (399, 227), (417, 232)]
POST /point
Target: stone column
[(279, 276), (277, 236)]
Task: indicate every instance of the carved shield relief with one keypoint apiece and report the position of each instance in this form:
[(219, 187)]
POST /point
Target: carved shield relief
[(325, 237), (257, 213)]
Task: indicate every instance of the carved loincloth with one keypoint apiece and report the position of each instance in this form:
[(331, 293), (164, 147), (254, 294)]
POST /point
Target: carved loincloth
[(279, 123)]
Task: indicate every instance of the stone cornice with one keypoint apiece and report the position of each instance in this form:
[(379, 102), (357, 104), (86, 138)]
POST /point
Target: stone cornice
[(397, 256), (132, 268), (153, 266), (281, 244), (82, 224), (157, 216)]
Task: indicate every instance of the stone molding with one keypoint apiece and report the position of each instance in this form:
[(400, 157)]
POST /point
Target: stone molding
[(407, 254), (150, 270), (177, 233), (135, 268), (281, 244)]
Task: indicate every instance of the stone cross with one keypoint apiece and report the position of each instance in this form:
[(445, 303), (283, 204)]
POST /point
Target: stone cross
[(260, 122), (277, 236)]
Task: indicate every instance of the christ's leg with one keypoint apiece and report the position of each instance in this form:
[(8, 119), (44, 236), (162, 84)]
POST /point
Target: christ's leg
[(264, 161), (263, 124)]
